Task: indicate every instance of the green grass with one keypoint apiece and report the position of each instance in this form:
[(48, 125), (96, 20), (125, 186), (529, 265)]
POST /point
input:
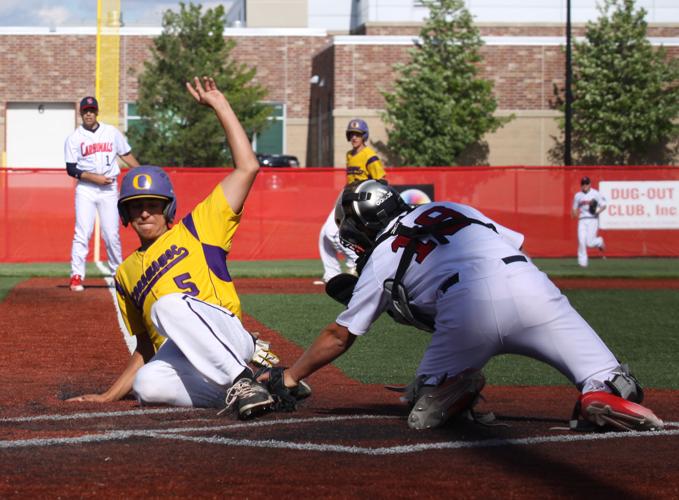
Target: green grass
[(311, 268), (640, 268), (638, 326)]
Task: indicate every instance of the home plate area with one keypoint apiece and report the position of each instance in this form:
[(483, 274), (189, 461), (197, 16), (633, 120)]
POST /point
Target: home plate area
[(348, 434)]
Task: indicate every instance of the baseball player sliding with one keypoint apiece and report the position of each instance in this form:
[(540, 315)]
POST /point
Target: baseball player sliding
[(448, 269), (362, 163), (91, 153), (588, 203), (175, 292)]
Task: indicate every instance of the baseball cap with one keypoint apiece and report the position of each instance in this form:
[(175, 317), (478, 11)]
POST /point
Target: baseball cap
[(585, 180), (89, 102)]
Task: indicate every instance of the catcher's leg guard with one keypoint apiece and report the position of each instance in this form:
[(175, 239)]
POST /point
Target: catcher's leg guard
[(436, 404), (607, 410)]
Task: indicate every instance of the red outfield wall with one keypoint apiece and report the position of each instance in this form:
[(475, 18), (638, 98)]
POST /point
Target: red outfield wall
[(287, 208)]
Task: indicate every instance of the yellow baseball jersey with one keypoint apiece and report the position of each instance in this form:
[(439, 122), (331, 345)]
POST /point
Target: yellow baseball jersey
[(364, 165), (189, 258)]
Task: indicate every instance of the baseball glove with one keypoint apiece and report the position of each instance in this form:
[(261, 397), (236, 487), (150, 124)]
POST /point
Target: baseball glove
[(341, 287), (593, 206), (285, 398)]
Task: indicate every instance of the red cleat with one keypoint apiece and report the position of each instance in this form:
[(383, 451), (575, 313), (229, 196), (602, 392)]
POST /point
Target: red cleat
[(608, 410), (76, 283)]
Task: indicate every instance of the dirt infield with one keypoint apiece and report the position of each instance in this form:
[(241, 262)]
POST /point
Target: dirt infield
[(348, 440)]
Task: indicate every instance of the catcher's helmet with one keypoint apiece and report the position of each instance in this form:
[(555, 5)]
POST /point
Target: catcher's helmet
[(146, 181), (363, 209), (360, 126)]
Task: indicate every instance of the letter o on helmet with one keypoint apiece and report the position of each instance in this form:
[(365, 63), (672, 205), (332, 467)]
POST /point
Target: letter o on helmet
[(147, 181), (363, 209), (360, 126)]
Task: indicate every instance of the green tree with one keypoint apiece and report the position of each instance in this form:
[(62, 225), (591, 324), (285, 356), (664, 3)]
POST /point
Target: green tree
[(175, 131), (625, 93), (440, 110)]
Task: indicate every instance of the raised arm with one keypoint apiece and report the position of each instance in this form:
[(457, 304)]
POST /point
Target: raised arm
[(236, 185)]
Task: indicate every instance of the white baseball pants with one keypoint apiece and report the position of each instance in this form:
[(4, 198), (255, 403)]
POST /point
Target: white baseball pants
[(90, 199), (329, 246), (206, 349), (587, 238), (514, 309)]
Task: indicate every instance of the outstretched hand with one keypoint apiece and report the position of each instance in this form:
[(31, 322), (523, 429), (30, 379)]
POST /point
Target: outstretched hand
[(206, 93), (94, 398)]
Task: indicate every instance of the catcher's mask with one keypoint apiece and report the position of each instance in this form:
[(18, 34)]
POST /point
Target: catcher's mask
[(360, 126), (146, 181), (363, 209)]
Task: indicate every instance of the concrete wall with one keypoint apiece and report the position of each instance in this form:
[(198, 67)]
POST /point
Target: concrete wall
[(281, 14)]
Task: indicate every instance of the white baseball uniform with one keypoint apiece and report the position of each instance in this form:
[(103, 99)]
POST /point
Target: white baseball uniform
[(206, 348), (588, 224), (484, 297), (96, 152), (329, 247)]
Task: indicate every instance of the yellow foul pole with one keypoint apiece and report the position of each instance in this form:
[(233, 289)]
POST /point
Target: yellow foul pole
[(107, 80)]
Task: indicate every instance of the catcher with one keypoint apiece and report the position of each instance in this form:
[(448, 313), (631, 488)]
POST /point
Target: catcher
[(448, 269)]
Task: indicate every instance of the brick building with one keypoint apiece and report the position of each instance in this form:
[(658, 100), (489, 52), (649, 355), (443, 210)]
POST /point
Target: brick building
[(313, 62)]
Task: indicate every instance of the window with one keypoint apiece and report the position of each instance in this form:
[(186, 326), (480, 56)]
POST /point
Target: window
[(271, 139), (133, 121)]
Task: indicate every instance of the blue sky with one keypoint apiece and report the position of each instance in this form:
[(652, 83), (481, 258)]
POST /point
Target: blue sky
[(84, 12)]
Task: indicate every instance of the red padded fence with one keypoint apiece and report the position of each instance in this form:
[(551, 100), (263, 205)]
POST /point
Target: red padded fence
[(287, 208)]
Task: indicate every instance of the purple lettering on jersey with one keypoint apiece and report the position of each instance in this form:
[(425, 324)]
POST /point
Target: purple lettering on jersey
[(154, 271), (119, 288), (216, 261)]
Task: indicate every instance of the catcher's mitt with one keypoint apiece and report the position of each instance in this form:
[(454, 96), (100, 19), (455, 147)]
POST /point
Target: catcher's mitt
[(341, 287), (593, 206), (285, 398)]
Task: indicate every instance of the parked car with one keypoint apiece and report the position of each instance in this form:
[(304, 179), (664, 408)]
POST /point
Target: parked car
[(267, 160)]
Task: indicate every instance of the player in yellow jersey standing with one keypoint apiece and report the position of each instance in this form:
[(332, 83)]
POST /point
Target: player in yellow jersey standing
[(362, 164), (175, 292)]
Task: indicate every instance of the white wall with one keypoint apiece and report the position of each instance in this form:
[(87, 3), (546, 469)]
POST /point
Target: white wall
[(36, 133), (332, 16), (335, 15)]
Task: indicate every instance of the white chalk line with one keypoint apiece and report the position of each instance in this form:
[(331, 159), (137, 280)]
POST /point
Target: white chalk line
[(130, 340), (179, 434), (109, 414), (128, 433), (393, 450), (416, 448)]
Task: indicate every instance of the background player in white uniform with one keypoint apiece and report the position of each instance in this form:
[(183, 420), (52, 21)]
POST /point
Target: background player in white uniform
[(481, 297), (588, 203), (91, 153), (329, 247), (362, 163), (175, 292)]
